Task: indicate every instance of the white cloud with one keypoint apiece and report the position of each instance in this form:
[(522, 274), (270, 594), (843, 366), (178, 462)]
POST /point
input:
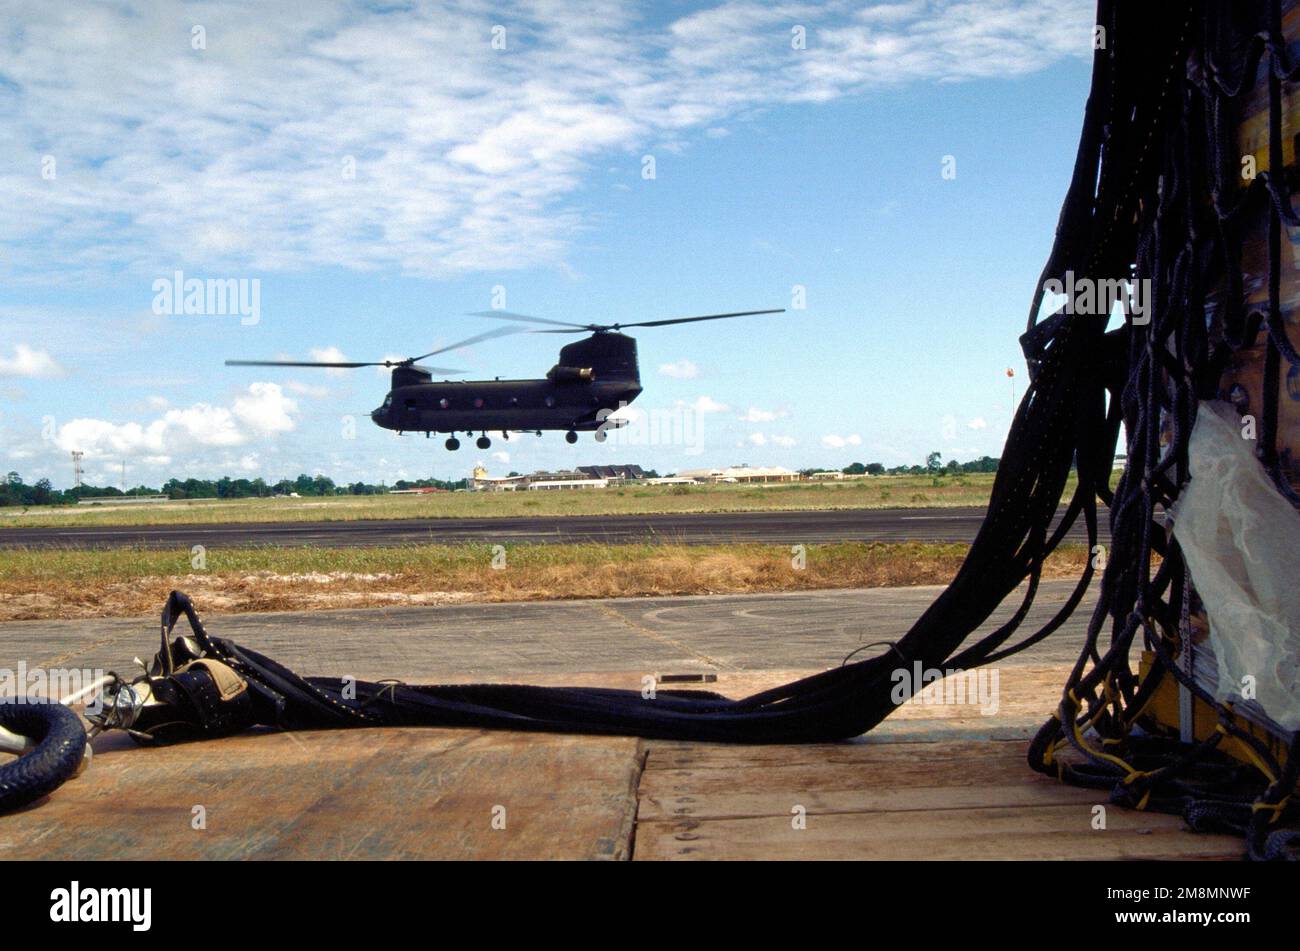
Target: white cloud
[(307, 389), (977, 423), (29, 362), (501, 457), (705, 405), (331, 355), (265, 409), (202, 425), (680, 370), (261, 411), (757, 439), (339, 137), (756, 415), (835, 441), (785, 442)]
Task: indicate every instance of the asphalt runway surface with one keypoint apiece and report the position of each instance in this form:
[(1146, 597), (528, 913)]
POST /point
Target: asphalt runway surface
[(792, 528), (695, 633)]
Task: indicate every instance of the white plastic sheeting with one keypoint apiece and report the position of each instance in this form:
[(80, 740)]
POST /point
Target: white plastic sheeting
[(1241, 540)]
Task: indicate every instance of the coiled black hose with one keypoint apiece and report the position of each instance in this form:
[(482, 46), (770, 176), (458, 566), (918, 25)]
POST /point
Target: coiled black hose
[(60, 745)]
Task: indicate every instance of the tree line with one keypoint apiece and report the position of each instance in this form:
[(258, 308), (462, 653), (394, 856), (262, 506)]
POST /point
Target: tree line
[(934, 465), (14, 491)]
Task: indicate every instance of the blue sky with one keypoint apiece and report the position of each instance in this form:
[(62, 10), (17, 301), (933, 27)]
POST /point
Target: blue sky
[(134, 154)]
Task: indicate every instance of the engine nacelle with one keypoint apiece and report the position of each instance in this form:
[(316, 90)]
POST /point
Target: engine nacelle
[(562, 374)]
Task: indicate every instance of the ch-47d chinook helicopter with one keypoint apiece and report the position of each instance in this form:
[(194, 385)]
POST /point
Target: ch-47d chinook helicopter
[(593, 378)]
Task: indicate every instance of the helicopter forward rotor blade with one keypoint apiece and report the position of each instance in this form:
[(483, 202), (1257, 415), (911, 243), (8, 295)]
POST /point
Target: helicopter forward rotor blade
[(528, 319), (306, 363), (488, 335)]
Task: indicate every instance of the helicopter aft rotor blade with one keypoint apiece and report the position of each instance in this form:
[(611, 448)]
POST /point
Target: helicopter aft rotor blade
[(562, 327), (528, 319), (565, 327), (691, 320)]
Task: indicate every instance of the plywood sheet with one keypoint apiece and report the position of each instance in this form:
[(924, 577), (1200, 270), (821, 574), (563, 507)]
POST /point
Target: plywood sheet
[(370, 794), (934, 800)]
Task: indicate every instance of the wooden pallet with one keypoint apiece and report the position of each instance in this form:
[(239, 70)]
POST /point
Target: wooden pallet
[(933, 782)]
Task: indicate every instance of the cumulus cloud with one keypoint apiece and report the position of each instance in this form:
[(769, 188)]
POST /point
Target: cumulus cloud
[(336, 135), (977, 423), (836, 441), (501, 457), (756, 415), (261, 411), (265, 409), (763, 439), (680, 370), (705, 405), (29, 362)]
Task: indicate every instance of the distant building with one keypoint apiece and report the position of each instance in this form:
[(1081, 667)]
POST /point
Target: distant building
[(543, 485), (584, 477), (835, 475), (733, 474), (613, 473)]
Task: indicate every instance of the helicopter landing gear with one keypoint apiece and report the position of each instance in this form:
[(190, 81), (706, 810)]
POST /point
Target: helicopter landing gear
[(483, 442), (453, 443), (600, 435), (570, 437)]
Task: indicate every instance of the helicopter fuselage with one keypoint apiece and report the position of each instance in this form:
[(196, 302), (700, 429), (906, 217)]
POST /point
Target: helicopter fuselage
[(473, 406), (592, 379)]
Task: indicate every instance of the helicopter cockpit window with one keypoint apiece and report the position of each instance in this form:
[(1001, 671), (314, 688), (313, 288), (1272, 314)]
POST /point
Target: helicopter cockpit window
[(388, 401)]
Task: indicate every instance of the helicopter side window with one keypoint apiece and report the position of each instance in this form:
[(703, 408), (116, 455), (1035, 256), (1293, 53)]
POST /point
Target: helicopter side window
[(388, 401), (410, 403)]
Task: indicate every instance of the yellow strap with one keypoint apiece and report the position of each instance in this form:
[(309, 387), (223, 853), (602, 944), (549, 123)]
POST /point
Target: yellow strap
[(1277, 808)]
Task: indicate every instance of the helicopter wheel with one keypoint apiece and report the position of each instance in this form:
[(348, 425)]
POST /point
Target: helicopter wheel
[(570, 437), (600, 435), (483, 442), (453, 443)]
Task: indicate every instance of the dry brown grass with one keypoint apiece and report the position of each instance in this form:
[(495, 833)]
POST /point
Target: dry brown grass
[(43, 584)]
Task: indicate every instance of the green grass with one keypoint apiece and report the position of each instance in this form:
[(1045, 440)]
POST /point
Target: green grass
[(876, 492)]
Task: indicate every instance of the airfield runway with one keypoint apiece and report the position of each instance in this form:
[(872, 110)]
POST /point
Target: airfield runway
[(792, 528)]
